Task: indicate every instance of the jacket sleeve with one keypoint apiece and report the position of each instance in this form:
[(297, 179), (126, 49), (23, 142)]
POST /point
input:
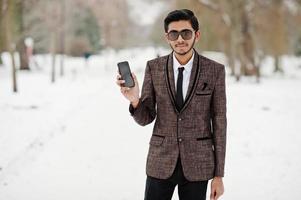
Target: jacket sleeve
[(219, 120), (145, 112)]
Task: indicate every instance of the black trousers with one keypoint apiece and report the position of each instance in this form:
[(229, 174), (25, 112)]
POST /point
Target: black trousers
[(162, 189)]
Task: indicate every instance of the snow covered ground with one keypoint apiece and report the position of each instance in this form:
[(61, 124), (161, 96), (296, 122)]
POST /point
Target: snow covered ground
[(75, 139)]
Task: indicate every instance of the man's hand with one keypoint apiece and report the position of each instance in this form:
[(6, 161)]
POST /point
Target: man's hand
[(131, 94), (217, 188)]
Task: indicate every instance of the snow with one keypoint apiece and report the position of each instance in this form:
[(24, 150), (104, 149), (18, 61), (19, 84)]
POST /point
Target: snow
[(75, 139)]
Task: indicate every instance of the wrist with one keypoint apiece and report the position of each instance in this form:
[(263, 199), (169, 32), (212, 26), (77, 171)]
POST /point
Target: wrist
[(135, 103)]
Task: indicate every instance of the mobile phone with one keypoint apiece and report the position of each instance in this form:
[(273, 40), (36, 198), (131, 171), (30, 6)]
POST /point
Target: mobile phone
[(125, 72)]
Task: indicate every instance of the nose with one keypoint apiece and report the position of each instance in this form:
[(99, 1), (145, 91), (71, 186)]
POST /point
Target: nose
[(180, 39)]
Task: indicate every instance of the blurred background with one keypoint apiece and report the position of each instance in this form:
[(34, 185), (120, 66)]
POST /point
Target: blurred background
[(65, 129), (245, 31)]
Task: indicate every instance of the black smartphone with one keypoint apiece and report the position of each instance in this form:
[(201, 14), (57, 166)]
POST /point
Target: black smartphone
[(125, 72)]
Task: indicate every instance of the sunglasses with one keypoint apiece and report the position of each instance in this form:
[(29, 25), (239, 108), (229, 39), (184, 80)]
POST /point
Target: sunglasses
[(186, 34)]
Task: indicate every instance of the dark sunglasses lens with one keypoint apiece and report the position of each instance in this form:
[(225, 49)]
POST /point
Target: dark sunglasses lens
[(186, 34), (173, 35)]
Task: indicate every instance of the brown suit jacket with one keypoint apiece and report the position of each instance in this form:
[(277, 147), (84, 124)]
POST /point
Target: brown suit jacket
[(197, 132)]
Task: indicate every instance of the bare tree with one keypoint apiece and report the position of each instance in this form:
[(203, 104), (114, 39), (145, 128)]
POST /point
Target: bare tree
[(272, 35), (235, 17), (114, 24), (45, 22), (1, 32), (53, 22), (246, 31), (21, 47), (49, 12), (7, 9), (62, 35)]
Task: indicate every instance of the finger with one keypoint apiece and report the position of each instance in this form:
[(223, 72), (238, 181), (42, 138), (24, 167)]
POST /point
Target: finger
[(120, 82), (135, 78), (217, 196), (119, 77), (212, 195), (124, 89), (219, 193)]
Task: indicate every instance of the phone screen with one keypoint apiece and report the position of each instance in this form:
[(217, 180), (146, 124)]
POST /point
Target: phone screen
[(125, 72)]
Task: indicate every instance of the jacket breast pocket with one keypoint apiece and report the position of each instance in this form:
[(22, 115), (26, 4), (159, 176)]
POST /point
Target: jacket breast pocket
[(203, 93), (204, 89)]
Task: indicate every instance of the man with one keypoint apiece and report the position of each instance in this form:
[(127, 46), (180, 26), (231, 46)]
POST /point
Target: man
[(185, 92)]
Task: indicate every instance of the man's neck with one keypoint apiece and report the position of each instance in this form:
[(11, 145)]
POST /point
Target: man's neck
[(183, 59)]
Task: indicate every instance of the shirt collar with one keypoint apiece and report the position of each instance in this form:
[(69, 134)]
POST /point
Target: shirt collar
[(187, 66)]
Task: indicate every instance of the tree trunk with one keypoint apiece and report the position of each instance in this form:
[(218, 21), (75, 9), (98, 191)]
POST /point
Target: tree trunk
[(1, 32), (53, 54), (62, 36), (235, 70), (14, 71), (24, 60), (257, 73), (62, 71), (10, 45), (53, 68), (277, 60), (231, 56), (247, 45), (21, 47), (242, 60)]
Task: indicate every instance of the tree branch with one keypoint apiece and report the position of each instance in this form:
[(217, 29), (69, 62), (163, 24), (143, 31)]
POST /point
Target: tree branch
[(216, 8), (210, 5)]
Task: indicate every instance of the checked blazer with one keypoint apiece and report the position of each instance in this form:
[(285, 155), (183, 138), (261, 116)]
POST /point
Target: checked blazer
[(197, 132)]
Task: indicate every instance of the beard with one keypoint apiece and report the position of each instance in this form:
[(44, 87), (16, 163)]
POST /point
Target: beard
[(183, 53)]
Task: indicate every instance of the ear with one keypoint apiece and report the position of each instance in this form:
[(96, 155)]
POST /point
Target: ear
[(197, 36)]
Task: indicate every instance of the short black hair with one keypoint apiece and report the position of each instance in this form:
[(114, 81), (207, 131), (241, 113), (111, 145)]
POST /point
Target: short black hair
[(183, 14)]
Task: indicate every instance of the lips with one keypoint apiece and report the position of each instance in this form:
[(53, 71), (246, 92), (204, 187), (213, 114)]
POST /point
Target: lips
[(181, 45)]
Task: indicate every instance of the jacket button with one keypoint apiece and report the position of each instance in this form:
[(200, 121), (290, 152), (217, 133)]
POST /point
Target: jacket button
[(180, 119), (180, 139)]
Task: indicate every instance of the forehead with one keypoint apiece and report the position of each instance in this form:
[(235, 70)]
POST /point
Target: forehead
[(179, 25)]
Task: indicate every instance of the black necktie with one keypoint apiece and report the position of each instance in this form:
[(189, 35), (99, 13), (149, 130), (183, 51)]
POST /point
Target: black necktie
[(179, 95)]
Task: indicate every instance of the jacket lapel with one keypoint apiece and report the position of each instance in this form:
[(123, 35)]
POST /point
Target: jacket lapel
[(193, 74), (171, 75), (194, 77), (170, 79)]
